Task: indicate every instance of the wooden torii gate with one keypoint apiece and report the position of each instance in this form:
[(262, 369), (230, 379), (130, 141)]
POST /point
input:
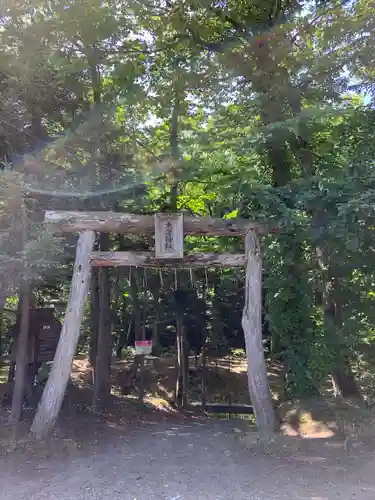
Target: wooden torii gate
[(87, 224)]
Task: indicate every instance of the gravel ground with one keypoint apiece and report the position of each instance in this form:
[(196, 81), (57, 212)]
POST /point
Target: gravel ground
[(185, 462)]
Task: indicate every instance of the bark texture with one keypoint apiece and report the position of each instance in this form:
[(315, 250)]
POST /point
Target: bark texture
[(102, 379), (116, 222), (54, 391), (147, 259), (252, 327), (21, 355)]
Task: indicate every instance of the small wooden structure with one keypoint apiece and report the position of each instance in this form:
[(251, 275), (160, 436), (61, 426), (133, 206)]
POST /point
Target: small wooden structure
[(44, 334), (87, 223), (43, 337)]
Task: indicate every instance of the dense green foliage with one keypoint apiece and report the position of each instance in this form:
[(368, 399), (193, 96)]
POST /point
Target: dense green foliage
[(261, 109)]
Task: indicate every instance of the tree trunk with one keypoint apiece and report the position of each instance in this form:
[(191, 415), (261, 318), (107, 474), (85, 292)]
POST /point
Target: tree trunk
[(344, 379), (252, 327), (54, 391), (273, 84), (21, 354), (174, 151), (344, 382), (102, 379), (343, 375)]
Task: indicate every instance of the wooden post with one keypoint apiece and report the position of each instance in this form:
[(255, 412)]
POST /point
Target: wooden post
[(184, 367), (204, 371), (94, 312), (102, 369), (155, 328), (181, 362), (178, 362), (252, 327), (141, 390), (94, 315), (22, 338), (21, 354), (58, 379)]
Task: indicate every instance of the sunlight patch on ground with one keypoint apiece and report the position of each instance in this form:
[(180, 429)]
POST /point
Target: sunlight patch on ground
[(159, 403), (4, 373), (302, 424)]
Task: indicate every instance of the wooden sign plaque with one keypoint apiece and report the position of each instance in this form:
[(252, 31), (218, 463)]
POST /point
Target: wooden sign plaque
[(169, 236)]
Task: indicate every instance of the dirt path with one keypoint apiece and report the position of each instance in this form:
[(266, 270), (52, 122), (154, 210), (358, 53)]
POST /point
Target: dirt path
[(185, 462)]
